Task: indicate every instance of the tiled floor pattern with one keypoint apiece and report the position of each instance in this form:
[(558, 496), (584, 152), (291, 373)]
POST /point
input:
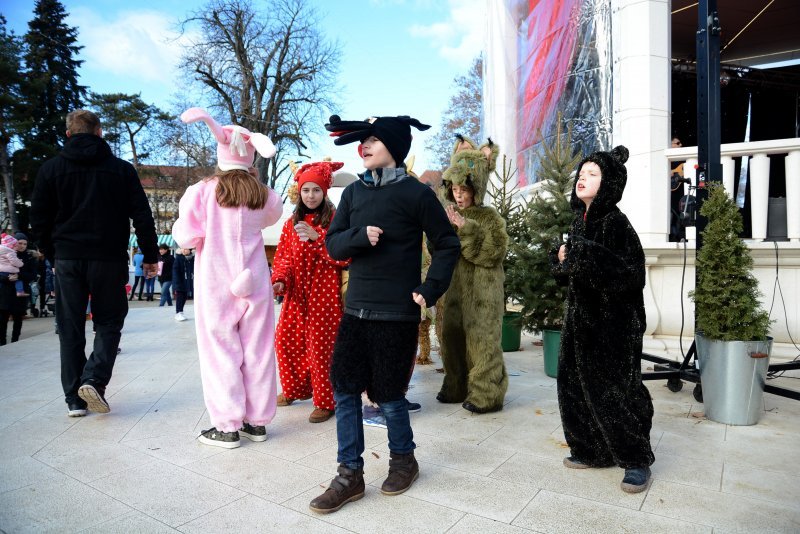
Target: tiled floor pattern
[(139, 468)]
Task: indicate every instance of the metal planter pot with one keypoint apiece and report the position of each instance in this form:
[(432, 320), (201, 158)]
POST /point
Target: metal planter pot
[(733, 374)]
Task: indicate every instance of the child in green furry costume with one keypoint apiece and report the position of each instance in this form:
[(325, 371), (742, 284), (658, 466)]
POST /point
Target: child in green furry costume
[(475, 374)]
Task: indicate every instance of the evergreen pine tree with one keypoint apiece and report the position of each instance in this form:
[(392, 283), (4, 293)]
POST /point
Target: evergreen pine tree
[(546, 218), (502, 192), (726, 297), (49, 91), (10, 116)]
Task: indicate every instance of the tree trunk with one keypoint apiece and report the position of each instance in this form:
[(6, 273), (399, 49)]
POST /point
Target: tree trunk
[(9, 186)]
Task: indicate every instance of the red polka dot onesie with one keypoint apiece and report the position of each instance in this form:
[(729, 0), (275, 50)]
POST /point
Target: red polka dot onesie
[(312, 309)]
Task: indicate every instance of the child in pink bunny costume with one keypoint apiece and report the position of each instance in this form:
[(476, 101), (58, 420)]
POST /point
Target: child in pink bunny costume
[(10, 262), (222, 217)]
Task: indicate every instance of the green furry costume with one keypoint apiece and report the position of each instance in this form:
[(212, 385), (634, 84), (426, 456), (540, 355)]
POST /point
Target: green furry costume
[(475, 374)]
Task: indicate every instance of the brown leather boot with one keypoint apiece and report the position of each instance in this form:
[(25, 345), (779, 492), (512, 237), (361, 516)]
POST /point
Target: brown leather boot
[(345, 487), (320, 415), (403, 471)]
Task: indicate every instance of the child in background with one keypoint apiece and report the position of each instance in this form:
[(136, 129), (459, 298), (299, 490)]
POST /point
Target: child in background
[(379, 224), (309, 279), (606, 411), (222, 218), (10, 262)]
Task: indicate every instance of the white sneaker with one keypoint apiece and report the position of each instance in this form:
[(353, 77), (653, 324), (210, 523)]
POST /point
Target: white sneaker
[(180, 316)]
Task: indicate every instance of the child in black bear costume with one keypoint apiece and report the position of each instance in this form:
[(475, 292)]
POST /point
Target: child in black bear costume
[(379, 224), (606, 410)]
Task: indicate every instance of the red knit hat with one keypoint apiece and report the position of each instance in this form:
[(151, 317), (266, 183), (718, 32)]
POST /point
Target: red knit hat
[(320, 172)]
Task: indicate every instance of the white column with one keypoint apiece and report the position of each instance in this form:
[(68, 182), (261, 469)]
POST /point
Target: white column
[(759, 195), (728, 166), (641, 84), (793, 195)]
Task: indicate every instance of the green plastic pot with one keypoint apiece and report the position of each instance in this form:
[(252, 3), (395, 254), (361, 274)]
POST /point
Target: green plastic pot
[(511, 335), (551, 341)]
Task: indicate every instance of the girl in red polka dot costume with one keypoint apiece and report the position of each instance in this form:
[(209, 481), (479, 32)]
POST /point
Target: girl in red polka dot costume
[(309, 280)]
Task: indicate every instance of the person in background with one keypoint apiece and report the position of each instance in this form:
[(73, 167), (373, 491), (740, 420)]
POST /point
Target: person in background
[(180, 282), (165, 276), (81, 209), (138, 273), (12, 305)]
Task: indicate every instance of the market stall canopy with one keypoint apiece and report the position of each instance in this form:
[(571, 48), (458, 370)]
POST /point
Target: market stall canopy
[(754, 32)]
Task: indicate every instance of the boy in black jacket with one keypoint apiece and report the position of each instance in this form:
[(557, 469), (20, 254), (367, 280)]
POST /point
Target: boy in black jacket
[(379, 224)]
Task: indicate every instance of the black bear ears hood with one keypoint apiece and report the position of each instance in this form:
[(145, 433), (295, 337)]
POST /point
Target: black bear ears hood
[(394, 132), (615, 176)]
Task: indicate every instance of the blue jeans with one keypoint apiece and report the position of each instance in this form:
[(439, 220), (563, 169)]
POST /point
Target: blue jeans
[(166, 294), (350, 428), (149, 287)]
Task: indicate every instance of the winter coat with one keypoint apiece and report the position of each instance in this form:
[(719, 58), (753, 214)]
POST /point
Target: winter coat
[(9, 301), (9, 262), (83, 201), (383, 277), (138, 261), (166, 268)]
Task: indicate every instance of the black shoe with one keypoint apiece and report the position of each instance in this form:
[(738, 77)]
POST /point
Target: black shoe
[(413, 407), (217, 438), (474, 409), (94, 397), (253, 433), (636, 480), (76, 409)]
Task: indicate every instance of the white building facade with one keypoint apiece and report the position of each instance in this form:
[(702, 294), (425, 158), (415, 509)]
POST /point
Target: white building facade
[(620, 62)]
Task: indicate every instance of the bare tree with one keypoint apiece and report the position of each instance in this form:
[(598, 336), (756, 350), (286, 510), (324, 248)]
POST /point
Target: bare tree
[(128, 116), (463, 115), (271, 72)]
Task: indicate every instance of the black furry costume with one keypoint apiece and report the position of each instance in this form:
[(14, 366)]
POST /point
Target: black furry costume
[(606, 410)]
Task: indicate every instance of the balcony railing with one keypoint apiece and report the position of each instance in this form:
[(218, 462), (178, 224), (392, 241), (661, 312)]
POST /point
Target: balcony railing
[(758, 152)]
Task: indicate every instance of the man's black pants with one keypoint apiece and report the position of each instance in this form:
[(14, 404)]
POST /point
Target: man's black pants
[(76, 280)]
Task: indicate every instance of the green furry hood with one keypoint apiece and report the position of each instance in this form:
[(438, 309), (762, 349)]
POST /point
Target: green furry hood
[(470, 165)]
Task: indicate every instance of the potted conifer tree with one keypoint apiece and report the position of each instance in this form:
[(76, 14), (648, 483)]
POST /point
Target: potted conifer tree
[(503, 192), (546, 218), (733, 347)]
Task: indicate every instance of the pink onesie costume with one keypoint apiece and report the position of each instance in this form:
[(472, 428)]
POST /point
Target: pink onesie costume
[(233, 301)]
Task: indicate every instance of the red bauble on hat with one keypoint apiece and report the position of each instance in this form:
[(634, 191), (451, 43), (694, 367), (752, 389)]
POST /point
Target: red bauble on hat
[(320, 172)]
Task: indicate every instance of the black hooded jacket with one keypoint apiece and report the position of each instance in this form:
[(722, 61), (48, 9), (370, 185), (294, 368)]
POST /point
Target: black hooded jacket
[(83, 203)]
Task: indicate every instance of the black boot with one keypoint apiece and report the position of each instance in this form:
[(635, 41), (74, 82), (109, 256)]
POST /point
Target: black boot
[(346, 487), (403, 471)]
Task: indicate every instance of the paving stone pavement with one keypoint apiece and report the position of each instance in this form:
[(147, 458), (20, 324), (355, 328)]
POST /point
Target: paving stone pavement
[(140, 468)]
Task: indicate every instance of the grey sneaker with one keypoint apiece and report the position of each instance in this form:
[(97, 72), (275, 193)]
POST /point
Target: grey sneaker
[(94, 397), (254, 433), (217, 438)]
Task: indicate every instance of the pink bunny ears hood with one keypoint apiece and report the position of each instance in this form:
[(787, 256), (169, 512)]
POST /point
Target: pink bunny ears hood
[(236, 146)]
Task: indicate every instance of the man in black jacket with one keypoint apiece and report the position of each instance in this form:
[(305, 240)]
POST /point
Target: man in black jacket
[(82, 205)]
